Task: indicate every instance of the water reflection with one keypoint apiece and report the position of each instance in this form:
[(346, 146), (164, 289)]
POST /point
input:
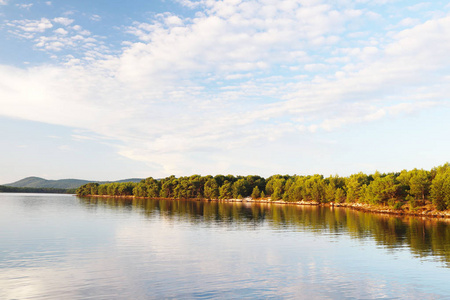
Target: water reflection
[(425, 238), (61, 247)]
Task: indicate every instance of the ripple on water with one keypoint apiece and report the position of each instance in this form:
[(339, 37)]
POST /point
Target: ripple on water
[(65, 247)]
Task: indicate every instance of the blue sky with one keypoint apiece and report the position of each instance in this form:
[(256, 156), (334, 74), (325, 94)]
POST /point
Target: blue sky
[(101, 90)]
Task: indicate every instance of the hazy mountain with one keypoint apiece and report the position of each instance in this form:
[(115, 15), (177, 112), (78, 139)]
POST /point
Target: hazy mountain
[(37, 182)]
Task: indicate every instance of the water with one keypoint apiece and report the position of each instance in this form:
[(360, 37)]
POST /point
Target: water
[(64, 247)]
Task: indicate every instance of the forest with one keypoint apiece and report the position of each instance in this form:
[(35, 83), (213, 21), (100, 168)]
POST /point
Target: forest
[(11, 189), (405, 189)]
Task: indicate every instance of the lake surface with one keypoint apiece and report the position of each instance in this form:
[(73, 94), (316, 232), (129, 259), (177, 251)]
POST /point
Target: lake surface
[(64, 247)]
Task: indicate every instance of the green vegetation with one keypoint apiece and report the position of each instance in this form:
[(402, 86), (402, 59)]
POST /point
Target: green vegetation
[(10, 189), (407, 189)]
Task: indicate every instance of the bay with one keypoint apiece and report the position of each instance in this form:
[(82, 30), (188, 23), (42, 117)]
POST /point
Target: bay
[(64, 247)]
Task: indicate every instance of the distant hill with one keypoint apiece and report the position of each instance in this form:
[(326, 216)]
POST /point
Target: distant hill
[(37, 182)]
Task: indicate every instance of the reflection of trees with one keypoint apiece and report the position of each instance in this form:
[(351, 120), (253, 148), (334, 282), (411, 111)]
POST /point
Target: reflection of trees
[(423, 237)]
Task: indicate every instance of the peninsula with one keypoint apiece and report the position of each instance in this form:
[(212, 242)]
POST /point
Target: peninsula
[(415, 192)]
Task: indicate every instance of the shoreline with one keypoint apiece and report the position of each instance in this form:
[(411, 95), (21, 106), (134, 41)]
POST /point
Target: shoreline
[(421, 211)]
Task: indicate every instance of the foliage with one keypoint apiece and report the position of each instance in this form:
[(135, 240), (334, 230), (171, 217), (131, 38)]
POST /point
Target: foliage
[(211, 190), (440, 188), (88, 189), (354, 186), (12, 189), (381, 189), (391, 189), (415, 183), (225, 191), (256, 193)]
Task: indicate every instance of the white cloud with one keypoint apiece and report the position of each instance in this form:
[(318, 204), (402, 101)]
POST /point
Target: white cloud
[(32, 25), (419, 6), (61, 40), (85, 32), (210, 87), (71, 37), (3, 2), (373, 15), (407, 22), (190, 4), (63, 21), (357, 113), (248, 36), (25, 6), (96, 18), (173, 21), (61, 31)]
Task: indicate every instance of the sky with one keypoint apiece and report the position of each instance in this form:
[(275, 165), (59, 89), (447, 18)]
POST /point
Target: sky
[(105, 90)]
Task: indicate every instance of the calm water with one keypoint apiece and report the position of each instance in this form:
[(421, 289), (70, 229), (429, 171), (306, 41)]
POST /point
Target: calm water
[(64, 247)]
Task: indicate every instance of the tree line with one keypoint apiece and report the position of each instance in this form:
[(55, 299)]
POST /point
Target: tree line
[(416, 187), (11, 189)]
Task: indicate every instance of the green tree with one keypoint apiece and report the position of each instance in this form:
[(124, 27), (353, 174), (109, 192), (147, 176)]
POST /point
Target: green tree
[(315, 188), (220, 179), (168, 186), (381, 189), (211, 189), (276, 195), (274, 182), (140, 190), (150, 188), (354, 185), (125, 188), (241, 187), (330, 193), (440, 189), (88, 189), (339, 195), (256, 193), (225, 191), (296, 191), (420, 183), (102, 189), (113, 189)]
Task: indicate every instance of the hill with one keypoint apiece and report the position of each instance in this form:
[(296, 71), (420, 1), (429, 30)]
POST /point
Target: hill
[(37, 182)]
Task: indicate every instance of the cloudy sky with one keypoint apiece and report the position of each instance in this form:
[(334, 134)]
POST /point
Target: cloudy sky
[(104, 90)]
